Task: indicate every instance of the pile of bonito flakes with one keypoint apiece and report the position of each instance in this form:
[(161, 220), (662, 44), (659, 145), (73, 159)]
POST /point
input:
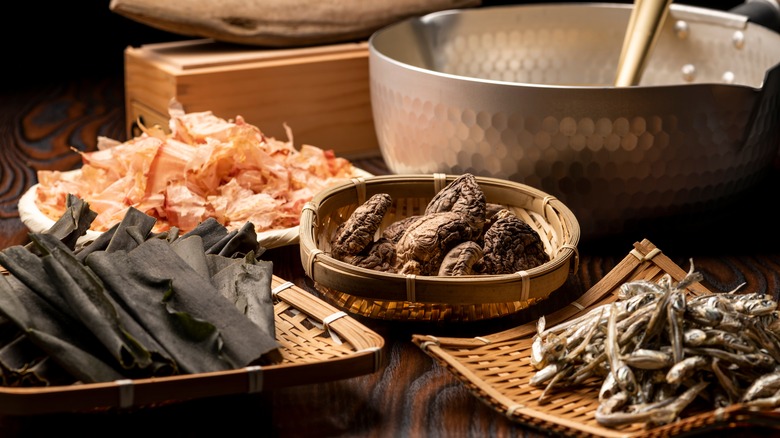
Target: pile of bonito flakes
[(657, 351)]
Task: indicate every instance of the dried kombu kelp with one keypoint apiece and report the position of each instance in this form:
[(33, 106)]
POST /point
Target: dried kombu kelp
[(99, 244), (136, 303), (231, 244), (240, 283), (190, 249), (133, 230), (45, 372), (193, 344), (15, 357), (89, 301), (23, 363), (71, 345), (165, 291), (238, 243), (28, 268), (212, 233), (74, 223)]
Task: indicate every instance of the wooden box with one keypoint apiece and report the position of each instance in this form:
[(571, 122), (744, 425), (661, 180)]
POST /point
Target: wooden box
[(321, 93)]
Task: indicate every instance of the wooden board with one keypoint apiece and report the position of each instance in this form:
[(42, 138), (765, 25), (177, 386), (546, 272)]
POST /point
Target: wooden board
[(321, 93)]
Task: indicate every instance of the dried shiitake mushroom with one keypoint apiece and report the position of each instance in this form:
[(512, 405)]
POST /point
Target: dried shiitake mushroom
[(459, 233), (354, 235), (511, 245)]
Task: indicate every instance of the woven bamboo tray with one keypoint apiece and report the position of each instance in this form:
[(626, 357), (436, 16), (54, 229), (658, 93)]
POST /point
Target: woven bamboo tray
[(496, 368), (319, 343), (388, 296)]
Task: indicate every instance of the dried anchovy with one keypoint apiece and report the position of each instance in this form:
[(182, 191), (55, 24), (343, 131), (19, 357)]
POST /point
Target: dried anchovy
[(657, 351)]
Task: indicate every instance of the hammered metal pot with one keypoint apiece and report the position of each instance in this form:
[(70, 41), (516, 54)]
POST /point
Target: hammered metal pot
[(525, 93)]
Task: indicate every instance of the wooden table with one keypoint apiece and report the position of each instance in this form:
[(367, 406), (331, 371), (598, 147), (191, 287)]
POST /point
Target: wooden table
[(411, 395)]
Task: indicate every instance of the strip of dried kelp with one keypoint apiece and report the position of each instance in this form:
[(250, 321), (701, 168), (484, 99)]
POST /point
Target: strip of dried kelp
[(211, 231), (190, 249), (248, 287), (74, 223), (99, 244), (45, 372), (193, 344), (170, 235), (154, 263), (28, 268), (80, 363), (218, 240), (133, 230), (8, 329), (91, 304), (24, 364), (75, 348), (16, 356), (239, 243)]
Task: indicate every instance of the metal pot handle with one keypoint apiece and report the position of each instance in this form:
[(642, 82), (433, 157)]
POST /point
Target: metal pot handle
[(763, 12)]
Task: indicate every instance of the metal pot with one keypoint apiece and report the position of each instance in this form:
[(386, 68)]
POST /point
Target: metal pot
[(525, 93)]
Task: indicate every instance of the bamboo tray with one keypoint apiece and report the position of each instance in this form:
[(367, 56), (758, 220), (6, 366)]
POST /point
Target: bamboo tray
[(396, 297), (496, 368), (319, 343)]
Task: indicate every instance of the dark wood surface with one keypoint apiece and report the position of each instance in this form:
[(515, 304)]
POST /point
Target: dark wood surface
[(49, 107)]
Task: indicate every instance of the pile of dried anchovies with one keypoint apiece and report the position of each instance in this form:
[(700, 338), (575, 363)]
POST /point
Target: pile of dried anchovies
[(656, 351)]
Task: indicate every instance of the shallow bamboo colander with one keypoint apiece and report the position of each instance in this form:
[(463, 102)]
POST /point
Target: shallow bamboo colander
[(390, 296)]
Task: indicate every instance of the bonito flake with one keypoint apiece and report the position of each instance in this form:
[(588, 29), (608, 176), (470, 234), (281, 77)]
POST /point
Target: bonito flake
[(206, 167)]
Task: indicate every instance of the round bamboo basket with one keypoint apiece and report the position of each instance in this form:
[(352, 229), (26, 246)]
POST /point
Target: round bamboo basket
[(390, 296)]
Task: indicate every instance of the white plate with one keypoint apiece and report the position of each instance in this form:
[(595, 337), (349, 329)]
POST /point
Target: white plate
[(37, 222)]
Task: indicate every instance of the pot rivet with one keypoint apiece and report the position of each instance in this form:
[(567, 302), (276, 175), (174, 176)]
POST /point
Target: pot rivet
[(728, 77), (688, 72), (681, 29), (738, 39)]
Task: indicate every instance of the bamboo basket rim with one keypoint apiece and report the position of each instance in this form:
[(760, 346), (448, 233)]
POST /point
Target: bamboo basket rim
[(495, 368), (318, 342), (336, 276)]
